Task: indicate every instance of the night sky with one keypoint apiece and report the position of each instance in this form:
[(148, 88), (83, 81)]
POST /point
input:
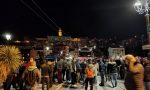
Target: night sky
[(77, 18)]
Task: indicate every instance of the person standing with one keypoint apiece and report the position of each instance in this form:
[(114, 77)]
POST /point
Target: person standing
[(78, 70), (51, 65), (64, 69), (134, 75), (90, 73), (45, 71), (102, 70), (113, 71), (95, 67), (31, 76), (73, 73), (68, 71), (59, 70), (83, 67)]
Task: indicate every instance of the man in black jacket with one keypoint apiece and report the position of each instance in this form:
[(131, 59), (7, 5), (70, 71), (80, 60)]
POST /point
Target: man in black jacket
[(45, 72)]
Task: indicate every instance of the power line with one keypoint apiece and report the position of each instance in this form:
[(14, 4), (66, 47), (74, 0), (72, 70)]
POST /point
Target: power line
[(56, 26), (45, 14), (37, 14)]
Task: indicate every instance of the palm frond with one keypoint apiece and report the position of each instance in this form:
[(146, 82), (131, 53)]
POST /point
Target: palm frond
[(10, 60)]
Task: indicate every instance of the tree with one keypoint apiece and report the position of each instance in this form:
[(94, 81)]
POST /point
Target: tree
[(10, 60)]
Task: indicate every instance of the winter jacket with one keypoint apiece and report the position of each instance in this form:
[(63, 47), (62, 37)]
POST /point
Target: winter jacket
[(36, 71), (102, 67), (45, 70), (112, 67), (134, 79)]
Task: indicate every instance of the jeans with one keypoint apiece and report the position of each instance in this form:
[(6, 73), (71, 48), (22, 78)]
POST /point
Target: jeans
[(68, 75), (147, 85), (102, 77), (113, 77)]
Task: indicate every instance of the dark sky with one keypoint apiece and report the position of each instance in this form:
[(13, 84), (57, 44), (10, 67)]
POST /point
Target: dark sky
[(86, 18)]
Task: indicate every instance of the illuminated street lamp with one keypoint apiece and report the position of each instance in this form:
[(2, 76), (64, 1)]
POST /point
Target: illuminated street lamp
[(8, 37), (142, 6), (47, 48)]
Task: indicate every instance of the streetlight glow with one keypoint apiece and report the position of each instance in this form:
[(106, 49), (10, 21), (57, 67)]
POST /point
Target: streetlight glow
[(47, 48), (138, 3), (8, 37), (138, 7)]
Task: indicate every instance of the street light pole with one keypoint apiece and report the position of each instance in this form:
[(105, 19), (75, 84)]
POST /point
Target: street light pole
[(148, 27), (142, 6)]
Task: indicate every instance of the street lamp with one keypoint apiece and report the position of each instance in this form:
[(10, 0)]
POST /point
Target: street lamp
[(8, 37), (142, 6), (47, 48)]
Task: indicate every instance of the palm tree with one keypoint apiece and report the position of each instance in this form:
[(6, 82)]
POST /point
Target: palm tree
[(10, 60)]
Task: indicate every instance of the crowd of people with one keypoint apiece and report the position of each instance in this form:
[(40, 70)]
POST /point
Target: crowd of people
[(135, 71)]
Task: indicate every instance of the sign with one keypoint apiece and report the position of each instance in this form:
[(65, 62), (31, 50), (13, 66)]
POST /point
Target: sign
[(148, 28), (113, 52), (146, 47)]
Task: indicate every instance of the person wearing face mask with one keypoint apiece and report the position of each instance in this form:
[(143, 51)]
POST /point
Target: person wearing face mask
[(134, 75)]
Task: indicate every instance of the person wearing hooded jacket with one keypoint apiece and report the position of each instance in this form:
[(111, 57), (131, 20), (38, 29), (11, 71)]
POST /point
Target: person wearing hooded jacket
[(32, 67), (134, 75)]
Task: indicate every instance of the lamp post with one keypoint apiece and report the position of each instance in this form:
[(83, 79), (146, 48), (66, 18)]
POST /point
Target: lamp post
[(142, 6)]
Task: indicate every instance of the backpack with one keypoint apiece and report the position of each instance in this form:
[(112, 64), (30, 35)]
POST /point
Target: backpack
[(31, 78), (90, 72)]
